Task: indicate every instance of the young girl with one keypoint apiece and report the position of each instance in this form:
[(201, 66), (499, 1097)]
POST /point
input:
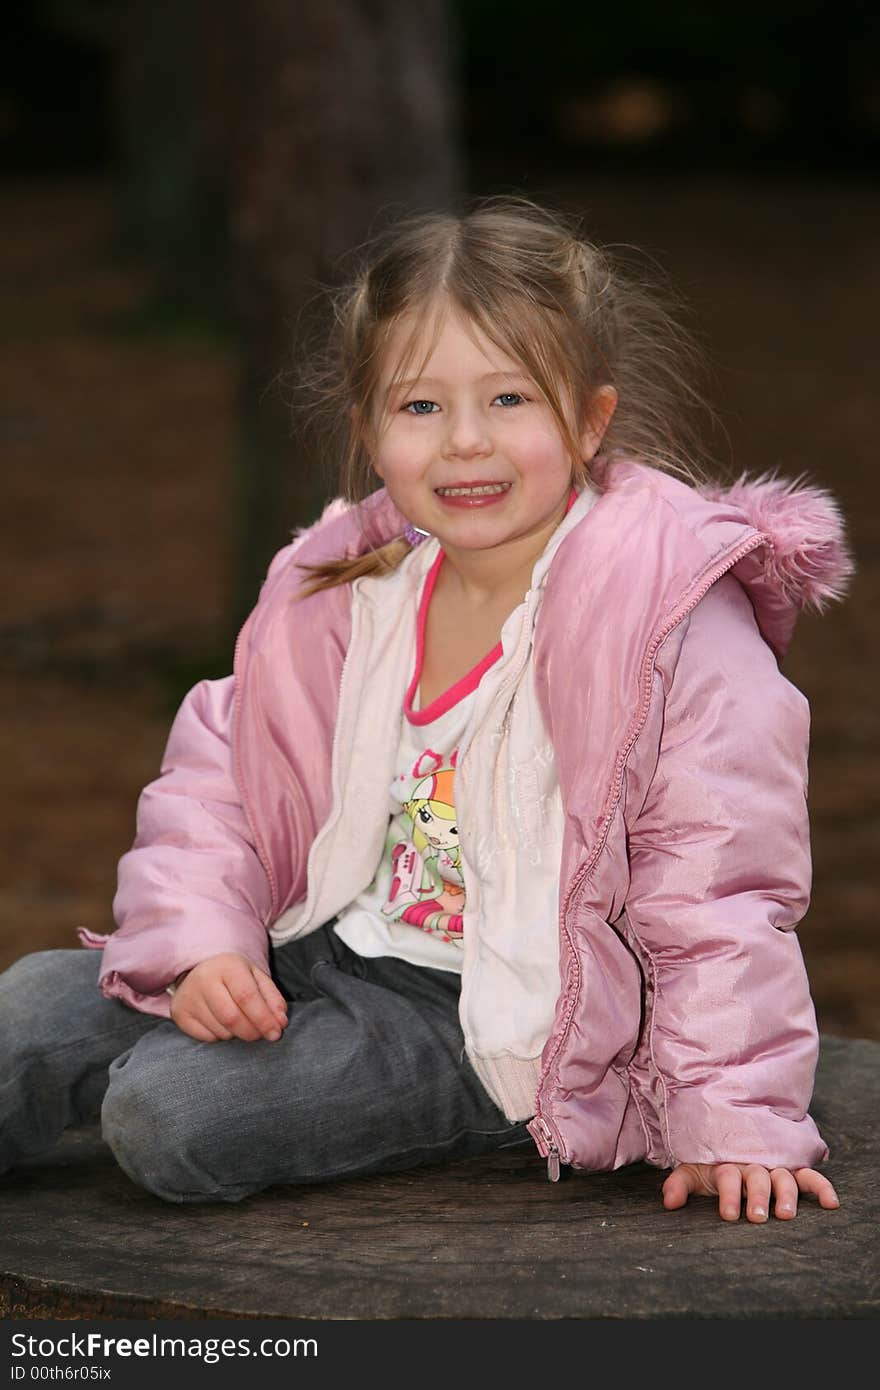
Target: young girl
[(529, 685)]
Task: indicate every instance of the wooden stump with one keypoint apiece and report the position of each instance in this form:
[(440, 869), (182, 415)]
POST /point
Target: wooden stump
[(485, 1238)]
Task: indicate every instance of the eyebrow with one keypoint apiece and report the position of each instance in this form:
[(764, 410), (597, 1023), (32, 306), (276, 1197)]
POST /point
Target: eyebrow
[(433, 381)]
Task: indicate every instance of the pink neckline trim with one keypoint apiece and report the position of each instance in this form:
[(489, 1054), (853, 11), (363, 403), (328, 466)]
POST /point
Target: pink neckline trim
[(463, 687)]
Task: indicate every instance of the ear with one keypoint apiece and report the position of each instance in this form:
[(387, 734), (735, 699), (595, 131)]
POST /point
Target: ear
[(599, 413)]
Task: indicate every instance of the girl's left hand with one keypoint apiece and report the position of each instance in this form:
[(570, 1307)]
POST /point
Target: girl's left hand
[(729, 1180)]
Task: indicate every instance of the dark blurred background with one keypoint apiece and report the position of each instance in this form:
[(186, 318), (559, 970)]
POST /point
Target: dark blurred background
[(178, 179)]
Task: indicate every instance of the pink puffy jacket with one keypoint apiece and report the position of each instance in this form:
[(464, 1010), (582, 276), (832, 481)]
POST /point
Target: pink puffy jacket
[(684, 1028)]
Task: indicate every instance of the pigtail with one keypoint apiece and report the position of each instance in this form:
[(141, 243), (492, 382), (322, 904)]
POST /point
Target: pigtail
[(327, 575)]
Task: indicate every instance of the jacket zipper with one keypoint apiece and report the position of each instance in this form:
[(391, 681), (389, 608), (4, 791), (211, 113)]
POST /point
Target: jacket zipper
[(549, 1139), (547, 1146)]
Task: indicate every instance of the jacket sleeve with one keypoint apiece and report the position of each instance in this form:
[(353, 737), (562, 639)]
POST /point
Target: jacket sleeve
[(192, 884), (720, 876)]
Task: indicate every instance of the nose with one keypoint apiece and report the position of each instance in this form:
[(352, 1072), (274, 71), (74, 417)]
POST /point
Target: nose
[(467, 434)]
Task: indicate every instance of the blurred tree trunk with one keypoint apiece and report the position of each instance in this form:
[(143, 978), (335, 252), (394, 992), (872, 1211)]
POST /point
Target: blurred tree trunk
[(258, 143), (172, 173), (343, 107), (156, 128), (170, 118)]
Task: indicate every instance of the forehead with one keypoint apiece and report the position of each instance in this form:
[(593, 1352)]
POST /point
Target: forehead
[(440, 342)]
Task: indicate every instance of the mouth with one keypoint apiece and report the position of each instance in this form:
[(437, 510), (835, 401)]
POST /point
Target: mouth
[(473, 490)]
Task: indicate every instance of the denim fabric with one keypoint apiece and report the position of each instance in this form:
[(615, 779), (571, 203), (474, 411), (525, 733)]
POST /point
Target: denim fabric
[(369, 1076)]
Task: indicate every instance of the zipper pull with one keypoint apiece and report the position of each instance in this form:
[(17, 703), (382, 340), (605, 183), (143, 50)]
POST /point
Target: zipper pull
[(553, 1164), (547, 1146)]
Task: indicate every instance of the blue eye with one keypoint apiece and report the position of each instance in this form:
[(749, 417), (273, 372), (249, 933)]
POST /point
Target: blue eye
[(510, 397), (415, 407)]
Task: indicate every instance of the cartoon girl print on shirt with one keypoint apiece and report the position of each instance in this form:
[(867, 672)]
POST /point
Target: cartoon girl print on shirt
[(427, 887)]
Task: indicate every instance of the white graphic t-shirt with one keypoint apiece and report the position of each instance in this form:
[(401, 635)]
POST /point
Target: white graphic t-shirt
[(414, 908)]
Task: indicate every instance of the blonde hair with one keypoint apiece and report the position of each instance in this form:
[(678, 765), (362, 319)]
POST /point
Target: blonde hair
[(568, 310)]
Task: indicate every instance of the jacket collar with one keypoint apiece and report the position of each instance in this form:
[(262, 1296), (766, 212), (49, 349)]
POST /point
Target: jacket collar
[(802, 561)]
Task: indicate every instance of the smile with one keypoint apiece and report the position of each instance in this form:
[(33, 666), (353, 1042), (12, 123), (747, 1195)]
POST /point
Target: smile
[(476, 490)]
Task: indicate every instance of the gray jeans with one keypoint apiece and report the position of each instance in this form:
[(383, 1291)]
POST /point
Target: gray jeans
[(369, 1076)]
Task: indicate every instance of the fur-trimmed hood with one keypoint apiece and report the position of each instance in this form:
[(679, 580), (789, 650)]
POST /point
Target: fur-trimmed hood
[(808, 557), (806, 563)]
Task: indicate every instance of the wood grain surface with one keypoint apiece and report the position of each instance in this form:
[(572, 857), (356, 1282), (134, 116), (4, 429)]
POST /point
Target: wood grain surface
[(481, 1238)]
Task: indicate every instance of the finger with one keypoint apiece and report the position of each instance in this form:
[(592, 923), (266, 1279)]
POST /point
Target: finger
[(758, 1187), (192, 1016), (677, 1188), (729, 1182), (247, 994), (194, 1029), (785, 1193), (226, 1013), (272, 995), (808, 1180)]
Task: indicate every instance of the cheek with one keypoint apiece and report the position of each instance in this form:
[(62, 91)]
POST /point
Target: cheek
[(397, 461), (543, 455)]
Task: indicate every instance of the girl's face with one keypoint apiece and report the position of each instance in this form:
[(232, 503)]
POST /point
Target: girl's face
[(469, 451)]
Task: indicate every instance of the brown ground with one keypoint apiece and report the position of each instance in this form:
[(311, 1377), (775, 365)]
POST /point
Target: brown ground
[(116, 529)]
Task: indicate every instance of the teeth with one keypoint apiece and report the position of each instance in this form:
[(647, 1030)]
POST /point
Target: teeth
[(486, 491)]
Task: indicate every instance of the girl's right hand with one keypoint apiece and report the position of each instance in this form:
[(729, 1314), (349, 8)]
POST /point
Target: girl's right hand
[(226, 996)]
